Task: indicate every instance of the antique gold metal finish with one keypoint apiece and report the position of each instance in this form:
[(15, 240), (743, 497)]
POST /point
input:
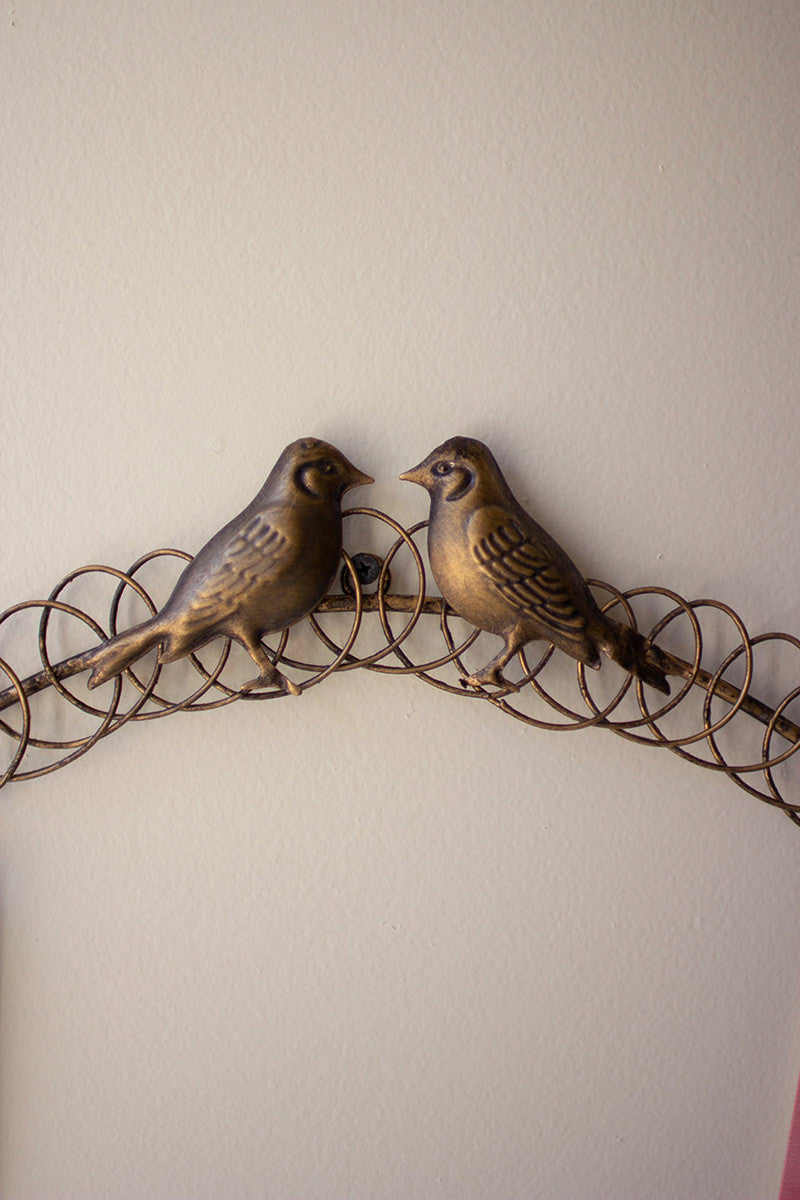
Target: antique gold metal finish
[(228, 588), (498, 568), (267, 569)]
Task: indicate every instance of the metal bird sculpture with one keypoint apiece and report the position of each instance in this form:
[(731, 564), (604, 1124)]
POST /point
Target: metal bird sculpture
[(267, 569), (497, 568)]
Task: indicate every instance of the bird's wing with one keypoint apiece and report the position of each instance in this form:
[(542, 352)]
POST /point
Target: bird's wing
[(528, 571), (253, 552)]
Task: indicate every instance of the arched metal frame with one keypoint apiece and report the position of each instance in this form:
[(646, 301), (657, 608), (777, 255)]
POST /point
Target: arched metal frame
[(626, 712)]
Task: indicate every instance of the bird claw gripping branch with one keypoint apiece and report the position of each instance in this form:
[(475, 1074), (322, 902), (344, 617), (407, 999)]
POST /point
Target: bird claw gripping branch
[(272, 566)]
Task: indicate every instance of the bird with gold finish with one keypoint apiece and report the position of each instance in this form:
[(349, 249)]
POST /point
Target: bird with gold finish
[(265, 570), (500, 570)]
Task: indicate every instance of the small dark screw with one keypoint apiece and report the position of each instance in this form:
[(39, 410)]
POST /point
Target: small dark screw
[(368, 568)]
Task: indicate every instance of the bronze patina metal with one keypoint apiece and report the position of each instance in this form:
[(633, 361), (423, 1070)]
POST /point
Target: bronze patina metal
[(496, 567), (500, 570), (265, 570)]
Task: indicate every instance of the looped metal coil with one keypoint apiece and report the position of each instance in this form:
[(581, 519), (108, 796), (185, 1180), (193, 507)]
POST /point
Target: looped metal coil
[(708, 720)]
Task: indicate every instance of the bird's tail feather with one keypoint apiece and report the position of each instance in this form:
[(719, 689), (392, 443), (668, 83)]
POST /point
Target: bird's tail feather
[(119, 652), (634, 653)]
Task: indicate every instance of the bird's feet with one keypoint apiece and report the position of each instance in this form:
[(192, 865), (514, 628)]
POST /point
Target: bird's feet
[(272, 680), (494, 677)]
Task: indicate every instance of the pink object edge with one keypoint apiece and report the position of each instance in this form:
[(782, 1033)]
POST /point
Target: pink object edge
[(790, 1183)]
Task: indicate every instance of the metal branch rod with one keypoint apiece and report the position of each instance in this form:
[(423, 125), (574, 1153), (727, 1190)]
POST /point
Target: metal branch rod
[(538, 703), (432, 606), (68, 668)]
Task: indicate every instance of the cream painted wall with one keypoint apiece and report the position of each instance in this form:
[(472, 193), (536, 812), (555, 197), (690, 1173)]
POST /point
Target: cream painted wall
[(377, 942)]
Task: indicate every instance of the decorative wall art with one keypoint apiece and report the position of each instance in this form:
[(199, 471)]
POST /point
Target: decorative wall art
[(275, 565)]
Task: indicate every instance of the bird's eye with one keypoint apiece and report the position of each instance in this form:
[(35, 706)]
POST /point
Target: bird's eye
[(442, 468), (328, 468)]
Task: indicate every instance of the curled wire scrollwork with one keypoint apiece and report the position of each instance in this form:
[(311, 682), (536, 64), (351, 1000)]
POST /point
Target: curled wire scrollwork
[(706, 720)]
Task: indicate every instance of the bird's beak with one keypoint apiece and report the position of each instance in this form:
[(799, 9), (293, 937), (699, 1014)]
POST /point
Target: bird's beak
[(358, 478), (417, 474)]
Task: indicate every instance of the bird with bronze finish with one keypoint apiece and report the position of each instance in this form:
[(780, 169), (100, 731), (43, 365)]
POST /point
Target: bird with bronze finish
[(265, 570), (497, 568)]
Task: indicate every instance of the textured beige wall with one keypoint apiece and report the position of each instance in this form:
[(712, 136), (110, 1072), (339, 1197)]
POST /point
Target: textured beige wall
[(375, 942)]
